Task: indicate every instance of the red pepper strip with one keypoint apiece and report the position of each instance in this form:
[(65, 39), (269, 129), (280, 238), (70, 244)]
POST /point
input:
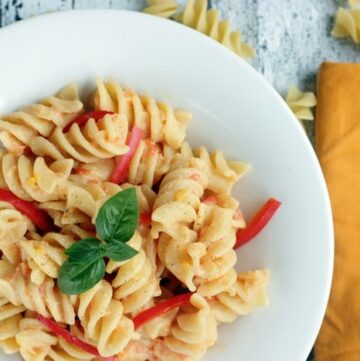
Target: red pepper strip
[(260, 220), (122, 166), (68, 337), (40, 218), (83, 118), (144, 218), (161, 308), (28, 151)]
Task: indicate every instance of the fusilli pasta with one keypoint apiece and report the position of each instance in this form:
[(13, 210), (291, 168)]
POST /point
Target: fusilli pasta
[(134, 283), (10, 317), (179, 195), (247, 293), (150, 163), (162, 8), (301, 103), (38, 344), (96, 140), (347, 24), (160, 122), (216, 271), (32, 179), (45, 256), (14, 227), (193, 332), (222, 174), (82, 203), (167, 239), (197, 16), (46, 299), (18, 129), (103, 321)]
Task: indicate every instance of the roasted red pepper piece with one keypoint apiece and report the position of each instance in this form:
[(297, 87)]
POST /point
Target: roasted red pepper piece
[(40, 218), (161, 308), (258, 223), (122, 166)]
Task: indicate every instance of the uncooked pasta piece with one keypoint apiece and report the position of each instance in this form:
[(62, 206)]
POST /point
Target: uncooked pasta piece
[(162, 8), (347, 24), (197, 16), (301, 103)]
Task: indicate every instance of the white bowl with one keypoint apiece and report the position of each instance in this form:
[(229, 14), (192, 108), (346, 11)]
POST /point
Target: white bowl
[(236, 111)]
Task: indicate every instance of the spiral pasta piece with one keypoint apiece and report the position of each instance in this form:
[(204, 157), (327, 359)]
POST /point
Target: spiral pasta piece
[(45, 256), (197, 16), (179, 195), (193, 332), (301, 103), (82, 203), (18, 129), (216, 271), (347, 24), (150, 163), (134, 283), (162, 8), (14, 227), (36, 343), (46, 299), (103, 321), (95, 140), (161, 325), (222, 174), (10, 317), (33, 179), (247, 293), (159, 121)]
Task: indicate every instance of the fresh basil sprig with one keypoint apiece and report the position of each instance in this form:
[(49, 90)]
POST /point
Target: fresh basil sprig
[(116, 223)]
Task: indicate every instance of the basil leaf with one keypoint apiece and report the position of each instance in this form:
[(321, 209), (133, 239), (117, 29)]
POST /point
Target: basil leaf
[(118, 251), (118, 217), (86, 249), (76, 277)]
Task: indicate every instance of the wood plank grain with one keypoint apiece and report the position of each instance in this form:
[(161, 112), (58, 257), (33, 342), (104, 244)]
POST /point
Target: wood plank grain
[(137, 5), (294, 38), (15, 10)]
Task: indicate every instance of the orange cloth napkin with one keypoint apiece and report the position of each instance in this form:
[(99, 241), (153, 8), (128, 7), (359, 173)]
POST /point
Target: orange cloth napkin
[(338, 148)]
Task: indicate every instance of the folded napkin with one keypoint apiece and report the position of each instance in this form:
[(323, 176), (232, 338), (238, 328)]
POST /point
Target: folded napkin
[(338, 148)]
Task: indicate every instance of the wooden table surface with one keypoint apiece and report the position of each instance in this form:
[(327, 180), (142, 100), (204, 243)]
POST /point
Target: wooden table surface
[(291, 37)]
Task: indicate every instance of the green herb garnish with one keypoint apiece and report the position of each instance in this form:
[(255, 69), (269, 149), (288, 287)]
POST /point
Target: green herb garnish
[(116, 223)]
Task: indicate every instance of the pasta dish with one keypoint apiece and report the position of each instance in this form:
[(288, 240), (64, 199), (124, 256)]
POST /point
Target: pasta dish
[(117, 239)]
